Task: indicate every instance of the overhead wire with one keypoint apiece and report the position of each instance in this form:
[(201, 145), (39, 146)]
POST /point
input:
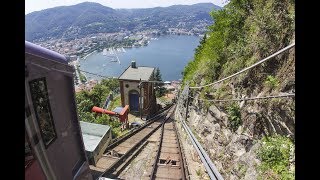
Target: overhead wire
[(245, 69), (245, 99), (110, 77)]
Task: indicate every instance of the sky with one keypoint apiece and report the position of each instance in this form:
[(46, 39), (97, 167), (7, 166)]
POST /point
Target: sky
[(37, 5)]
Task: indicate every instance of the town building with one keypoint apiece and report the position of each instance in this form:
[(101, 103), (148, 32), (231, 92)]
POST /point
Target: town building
[(137, 90)]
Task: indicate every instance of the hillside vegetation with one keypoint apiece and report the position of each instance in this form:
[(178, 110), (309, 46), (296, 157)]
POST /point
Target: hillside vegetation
[(246, 139), (87, 18), (96, 97), (244, 32)]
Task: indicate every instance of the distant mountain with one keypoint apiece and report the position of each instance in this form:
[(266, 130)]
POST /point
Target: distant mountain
[(89, 18)]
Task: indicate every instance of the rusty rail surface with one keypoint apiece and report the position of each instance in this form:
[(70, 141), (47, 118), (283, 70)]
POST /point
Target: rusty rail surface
[(118, 140), (120, 151), (169, 162)]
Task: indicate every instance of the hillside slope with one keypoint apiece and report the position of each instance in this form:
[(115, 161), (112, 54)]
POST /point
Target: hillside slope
[(246, 139), (89, 18)]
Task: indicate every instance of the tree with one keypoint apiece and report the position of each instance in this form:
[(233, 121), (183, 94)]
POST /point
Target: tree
[(86, 116), (112, 84), (98, 94), (160, 90), (201, 44)]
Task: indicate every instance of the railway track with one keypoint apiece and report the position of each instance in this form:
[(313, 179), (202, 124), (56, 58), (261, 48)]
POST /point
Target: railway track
[(160, 114), (120, 153), (169, 162)]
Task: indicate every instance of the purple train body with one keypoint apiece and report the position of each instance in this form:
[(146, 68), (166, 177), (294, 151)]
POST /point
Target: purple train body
[(54, 146)]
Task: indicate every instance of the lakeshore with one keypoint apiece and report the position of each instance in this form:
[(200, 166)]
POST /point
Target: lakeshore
[(169, 53)]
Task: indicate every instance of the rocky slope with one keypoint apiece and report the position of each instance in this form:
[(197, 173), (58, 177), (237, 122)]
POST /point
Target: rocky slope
[(246, 139), (235, 153)]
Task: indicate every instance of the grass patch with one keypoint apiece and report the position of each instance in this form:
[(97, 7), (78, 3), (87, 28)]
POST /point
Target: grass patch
[(272, 82), (117, 132), (115, 103), (274, 154)]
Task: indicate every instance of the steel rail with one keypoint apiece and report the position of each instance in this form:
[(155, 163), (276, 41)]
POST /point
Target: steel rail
[(151, 120), (210, 167), (154, 166)]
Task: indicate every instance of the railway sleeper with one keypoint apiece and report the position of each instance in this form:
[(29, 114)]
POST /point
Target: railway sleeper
[(172, 141), (166, 172), (117, 170), (133, 149)]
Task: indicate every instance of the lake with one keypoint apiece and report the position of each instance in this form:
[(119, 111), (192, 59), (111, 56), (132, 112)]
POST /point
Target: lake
[(170, 53)]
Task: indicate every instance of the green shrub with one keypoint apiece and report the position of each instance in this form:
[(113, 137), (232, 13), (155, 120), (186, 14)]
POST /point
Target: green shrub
[(96, 97), (234, 116), (114, 123), (274, 154), (272, 82)]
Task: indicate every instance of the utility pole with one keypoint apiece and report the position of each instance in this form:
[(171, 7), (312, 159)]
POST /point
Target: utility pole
[(140, 104)]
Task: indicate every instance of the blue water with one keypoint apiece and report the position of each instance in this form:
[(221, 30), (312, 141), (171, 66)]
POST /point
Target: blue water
[(170, 53)]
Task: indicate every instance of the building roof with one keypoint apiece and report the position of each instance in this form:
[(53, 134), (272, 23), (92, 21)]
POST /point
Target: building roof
[(39, 51), (92, 134), (145, 73)]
